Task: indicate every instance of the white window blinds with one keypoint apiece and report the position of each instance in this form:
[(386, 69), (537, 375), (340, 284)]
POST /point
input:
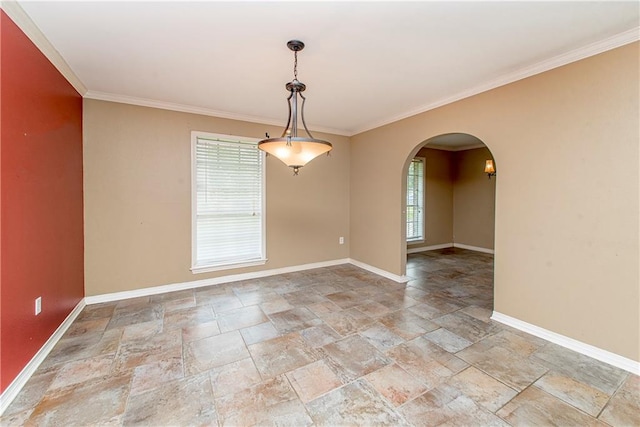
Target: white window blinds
[(229, 202), (415, 200)]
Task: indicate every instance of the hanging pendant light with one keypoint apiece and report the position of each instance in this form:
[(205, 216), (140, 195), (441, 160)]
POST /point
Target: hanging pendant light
[(293, 150)]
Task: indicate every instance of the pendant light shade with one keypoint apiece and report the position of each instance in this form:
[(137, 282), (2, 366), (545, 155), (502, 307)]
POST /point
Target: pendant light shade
[(295, 152), (292, 149)]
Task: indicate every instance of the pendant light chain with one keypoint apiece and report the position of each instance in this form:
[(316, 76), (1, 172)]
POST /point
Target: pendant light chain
[(292, 149)]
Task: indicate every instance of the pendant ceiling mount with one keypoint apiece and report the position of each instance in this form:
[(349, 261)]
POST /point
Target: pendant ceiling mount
[(292, 149), (295, 45)]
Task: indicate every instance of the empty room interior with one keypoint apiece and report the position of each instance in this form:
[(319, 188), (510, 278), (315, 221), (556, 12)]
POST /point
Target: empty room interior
[(320, 213)]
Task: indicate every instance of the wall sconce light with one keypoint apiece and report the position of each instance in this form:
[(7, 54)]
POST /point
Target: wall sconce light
[(489, 168)]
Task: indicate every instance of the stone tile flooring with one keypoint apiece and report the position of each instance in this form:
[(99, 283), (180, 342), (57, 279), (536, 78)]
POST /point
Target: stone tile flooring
[(333, 346)]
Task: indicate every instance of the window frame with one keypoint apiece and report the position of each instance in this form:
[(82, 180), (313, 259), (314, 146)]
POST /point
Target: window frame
[(232, 264), (422, 205)]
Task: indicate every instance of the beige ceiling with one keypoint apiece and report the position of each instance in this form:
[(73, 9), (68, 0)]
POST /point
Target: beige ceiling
[(365, 64)]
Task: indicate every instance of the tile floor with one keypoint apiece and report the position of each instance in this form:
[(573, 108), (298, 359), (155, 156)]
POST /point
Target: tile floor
[(333, 346)]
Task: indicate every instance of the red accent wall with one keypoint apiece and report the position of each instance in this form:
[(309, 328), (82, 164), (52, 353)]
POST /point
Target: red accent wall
[(41, 212)]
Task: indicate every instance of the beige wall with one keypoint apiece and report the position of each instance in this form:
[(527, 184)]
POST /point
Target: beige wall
[(137, 186), (566, 236), (438, 195), (473, 199), (566, 145), (459, 199)]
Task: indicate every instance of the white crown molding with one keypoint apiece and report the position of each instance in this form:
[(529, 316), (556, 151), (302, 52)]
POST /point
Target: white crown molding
[(592, 49), (183, 108), (16, 385), (570, 343), (13, 9), (20, 17)]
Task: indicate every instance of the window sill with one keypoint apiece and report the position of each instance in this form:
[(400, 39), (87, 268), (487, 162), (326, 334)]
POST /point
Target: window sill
[(226, 266)]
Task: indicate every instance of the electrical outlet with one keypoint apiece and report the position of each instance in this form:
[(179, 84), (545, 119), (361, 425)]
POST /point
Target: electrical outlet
[(341, 240), (38, 305)]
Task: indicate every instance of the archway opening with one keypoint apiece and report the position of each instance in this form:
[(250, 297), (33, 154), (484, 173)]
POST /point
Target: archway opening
[(449, 212)]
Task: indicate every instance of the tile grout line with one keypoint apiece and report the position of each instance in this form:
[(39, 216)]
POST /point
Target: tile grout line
[(612, 395)]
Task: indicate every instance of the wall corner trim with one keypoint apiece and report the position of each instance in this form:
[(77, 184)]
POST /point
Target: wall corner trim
[(37, 37), (379, 272), (16, 385), (570, 343), (183, 108)]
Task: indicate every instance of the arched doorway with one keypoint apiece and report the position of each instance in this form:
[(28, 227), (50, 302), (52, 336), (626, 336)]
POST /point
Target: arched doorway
[(450, 211)]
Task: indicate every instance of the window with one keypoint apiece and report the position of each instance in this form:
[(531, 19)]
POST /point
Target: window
[(228, 223), (415, 200)]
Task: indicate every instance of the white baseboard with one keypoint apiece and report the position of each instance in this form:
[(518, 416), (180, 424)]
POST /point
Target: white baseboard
[(575, 345), (14, 388), (429, 248), (154, 290), (449, 245), (473, 248), (379, 272), (16, 385), (173, 287)]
